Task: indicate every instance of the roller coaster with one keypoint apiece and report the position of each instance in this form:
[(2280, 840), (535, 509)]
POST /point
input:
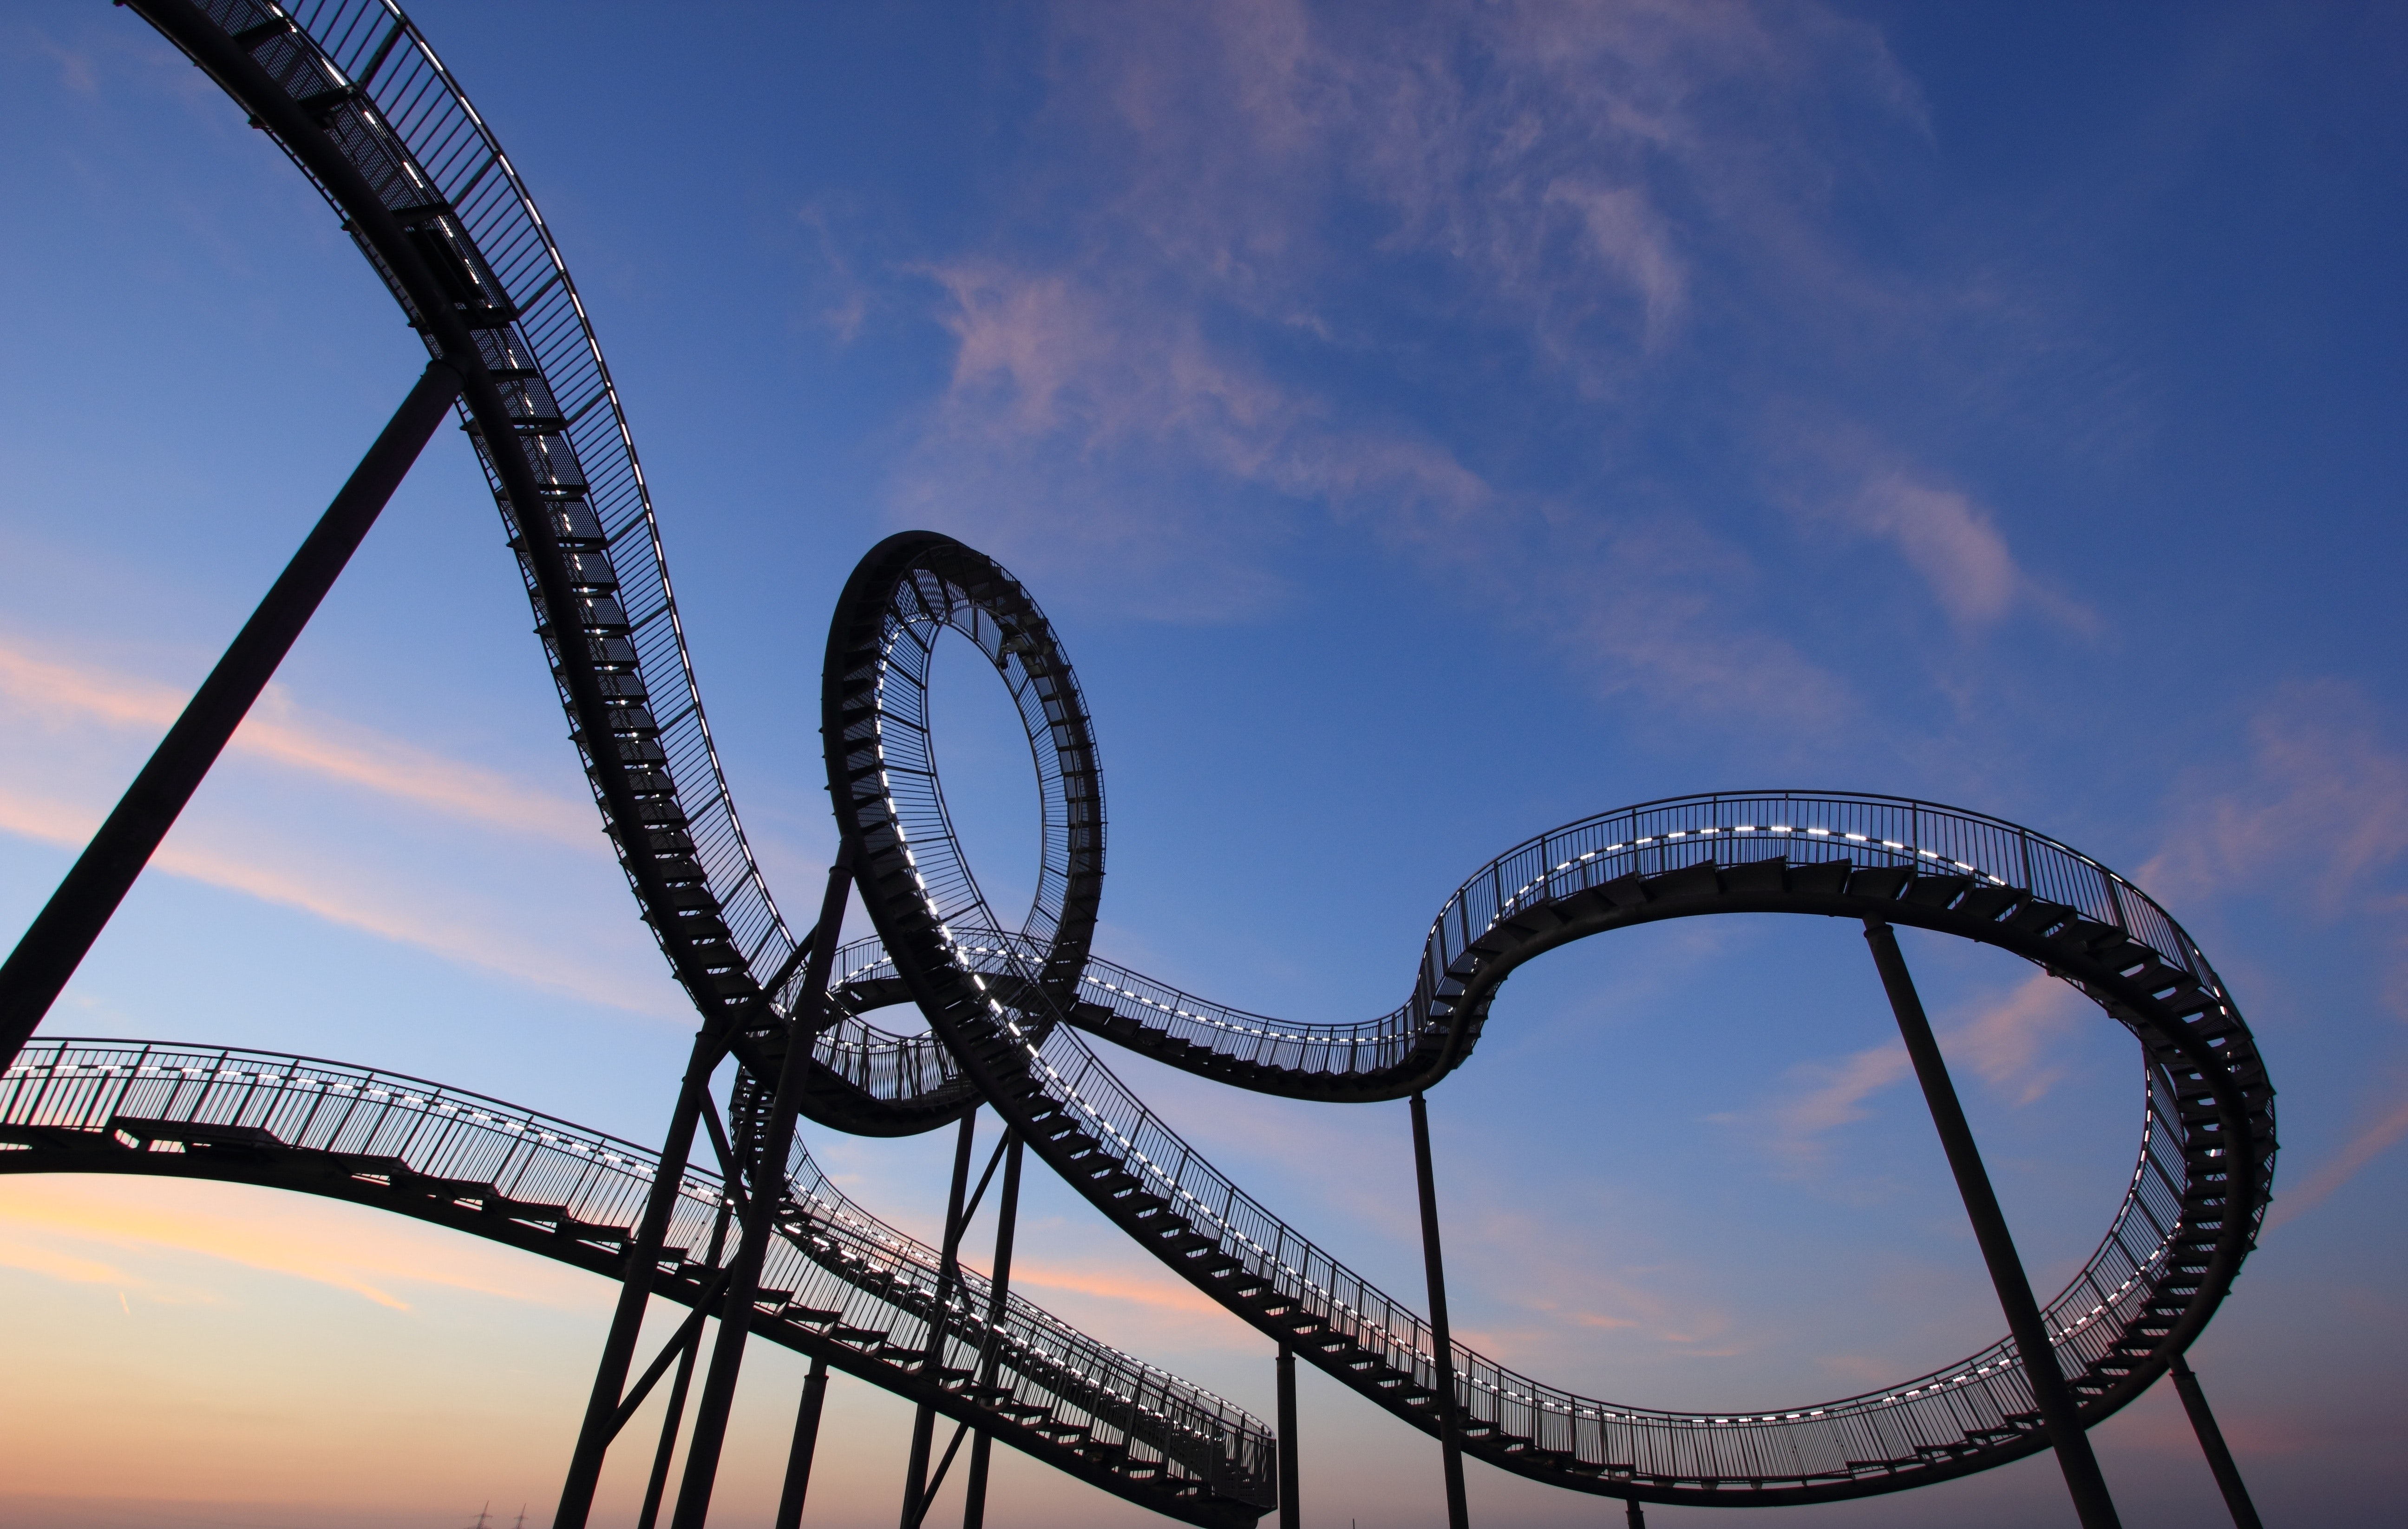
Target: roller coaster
[(1006, 1014)]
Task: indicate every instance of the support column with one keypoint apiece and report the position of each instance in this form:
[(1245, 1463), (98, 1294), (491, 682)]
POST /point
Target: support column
[(923, 1424), (1458, 1513), (2054, 1398), (1290, 1514), (1632, 1514), (768, 1189), (55, 944), (1007, 1213), (674, 1414), (636, 1286), (807, 1443), (2211, 1439)]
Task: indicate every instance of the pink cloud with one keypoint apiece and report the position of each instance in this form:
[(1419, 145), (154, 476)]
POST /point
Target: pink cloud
[(1115, 414), (339, 897), (263, 1231), (277, 730), (2324, 798), (1832, 1095), (1163, 1292), (2007, 1041), (2004, 1042), (2377, 1137), (1948, 539)]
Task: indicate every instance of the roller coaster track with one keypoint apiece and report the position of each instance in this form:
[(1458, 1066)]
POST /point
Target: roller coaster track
[(840, 1284), (1014, 1012), (354, 94)]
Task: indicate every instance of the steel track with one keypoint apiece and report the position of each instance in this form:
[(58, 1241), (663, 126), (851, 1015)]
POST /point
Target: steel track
[(351, 90), (840, 1284)]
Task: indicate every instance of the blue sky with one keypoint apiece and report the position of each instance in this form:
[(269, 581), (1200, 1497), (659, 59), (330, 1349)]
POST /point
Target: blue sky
[(1424, 425)]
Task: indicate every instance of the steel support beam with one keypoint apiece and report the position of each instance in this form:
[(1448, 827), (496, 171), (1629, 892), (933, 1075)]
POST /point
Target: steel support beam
[(807, 1443), (1458, 1513), (924, 1423), (1632, 1514), (2211, 1439), (672, 1416), (63, 933), (656, 1485), (761, 1209), (1290, 1513), (636, 1286), (2050, 1394), (1007, 1219)]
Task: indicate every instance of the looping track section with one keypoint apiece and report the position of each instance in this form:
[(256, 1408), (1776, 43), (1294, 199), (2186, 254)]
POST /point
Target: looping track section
[(354, 93), (999, 1003)]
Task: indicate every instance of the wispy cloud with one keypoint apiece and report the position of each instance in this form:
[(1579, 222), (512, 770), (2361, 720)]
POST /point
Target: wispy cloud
[(1159, 1291), (1823, 1096), (2371, 1141), (2007, 1042), (2323, 799), (1213, 328), (1587, 1287), (379, 1262), (66, 1267), (45, 692), (329, 891), (1948, 539)]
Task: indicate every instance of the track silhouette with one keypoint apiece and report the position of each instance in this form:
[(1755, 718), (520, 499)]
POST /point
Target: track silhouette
[(354, 93), (840, 1284)]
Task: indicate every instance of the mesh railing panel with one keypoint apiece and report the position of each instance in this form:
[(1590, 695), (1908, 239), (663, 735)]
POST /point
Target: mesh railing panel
[(834, 1267)]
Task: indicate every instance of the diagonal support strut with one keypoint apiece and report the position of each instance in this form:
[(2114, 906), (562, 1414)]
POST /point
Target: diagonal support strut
[(2050, 1394), (63, 932)]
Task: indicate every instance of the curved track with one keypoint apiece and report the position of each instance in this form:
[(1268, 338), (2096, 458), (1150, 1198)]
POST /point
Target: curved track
[(356, 97), (840, 1284), (2190, 1215)]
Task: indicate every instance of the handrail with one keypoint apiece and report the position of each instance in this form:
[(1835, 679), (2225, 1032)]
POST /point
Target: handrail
[(834, 1269), (1856, 853), (388, 103)]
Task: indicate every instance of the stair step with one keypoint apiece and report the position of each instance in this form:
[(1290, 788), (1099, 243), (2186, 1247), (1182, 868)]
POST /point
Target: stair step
[(196, 1135)]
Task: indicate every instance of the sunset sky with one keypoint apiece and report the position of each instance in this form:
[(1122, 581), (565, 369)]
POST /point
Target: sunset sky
[(1424, 425)]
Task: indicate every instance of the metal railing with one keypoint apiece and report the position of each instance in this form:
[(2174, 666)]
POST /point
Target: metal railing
[(836, 1269), (396, 112), (1958, 1409), (394, 109), (1648, 839)]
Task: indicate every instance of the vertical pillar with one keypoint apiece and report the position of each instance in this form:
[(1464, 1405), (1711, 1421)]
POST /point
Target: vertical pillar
[(1632, 1514), (1458, 1513), (761, 1211), (807, 1443), (674, 1413), (1290, 1513), (2211, 1439), (924, 1423), (636, 1287), (656, 1485), (55, 944), (1007, 1214), (2050, 1394)]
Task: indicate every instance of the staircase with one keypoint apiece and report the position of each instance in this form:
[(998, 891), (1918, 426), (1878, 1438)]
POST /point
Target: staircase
[(839, 1283)]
